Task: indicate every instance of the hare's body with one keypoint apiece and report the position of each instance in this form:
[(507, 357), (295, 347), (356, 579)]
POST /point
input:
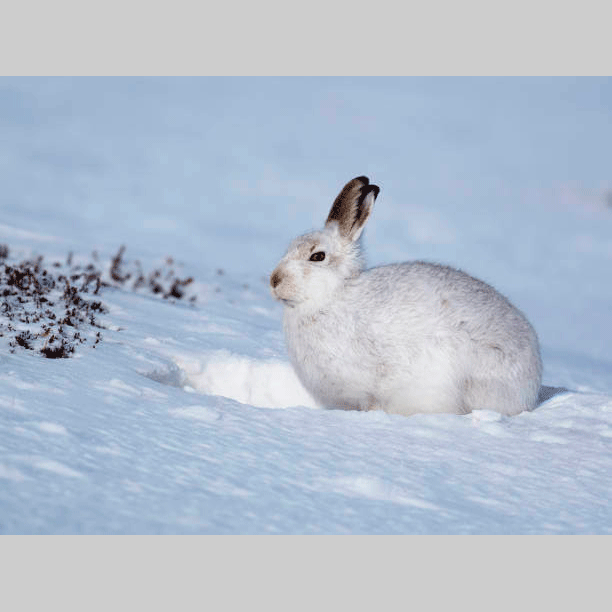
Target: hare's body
[(441, 342), (404, 338)]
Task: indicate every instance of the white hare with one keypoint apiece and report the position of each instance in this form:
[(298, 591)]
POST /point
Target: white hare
[(403, 338)]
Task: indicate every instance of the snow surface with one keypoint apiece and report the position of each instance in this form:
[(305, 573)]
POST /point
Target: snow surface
[(188, 418)]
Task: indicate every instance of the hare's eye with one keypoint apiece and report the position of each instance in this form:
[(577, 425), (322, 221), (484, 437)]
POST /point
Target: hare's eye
[(318, 256)]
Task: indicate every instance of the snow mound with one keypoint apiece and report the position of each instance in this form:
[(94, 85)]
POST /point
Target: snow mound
[(256, 382)]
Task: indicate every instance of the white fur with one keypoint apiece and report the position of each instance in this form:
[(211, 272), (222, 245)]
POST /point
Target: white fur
[(404, 338)]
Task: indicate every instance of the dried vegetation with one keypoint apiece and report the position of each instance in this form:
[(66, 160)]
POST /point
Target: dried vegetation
[(52, 308)]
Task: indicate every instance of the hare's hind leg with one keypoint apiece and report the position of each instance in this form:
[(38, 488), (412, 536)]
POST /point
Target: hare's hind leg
[(499, 395), (504, 381)]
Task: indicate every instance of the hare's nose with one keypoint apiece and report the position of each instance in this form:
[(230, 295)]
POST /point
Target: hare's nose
[(275, 279)]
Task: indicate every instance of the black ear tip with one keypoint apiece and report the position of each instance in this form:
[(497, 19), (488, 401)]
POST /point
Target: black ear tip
[(364, 179), (375, 189)]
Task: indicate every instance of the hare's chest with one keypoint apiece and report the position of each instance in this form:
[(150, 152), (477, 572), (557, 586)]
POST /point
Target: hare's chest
[(329, 359)]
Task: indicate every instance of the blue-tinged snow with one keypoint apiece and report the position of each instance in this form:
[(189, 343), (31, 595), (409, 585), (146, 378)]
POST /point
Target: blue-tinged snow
[(189, 418)]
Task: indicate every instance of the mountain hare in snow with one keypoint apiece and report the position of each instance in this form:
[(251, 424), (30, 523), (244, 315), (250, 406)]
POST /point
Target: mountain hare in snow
[(403, 338)]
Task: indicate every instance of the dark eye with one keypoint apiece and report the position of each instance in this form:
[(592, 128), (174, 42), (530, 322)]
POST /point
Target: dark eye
[(318, 256)]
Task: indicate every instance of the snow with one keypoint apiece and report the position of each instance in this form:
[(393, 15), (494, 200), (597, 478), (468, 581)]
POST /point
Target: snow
[(187, 418)]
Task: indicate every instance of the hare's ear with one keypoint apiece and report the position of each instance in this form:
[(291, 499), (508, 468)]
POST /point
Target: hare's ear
[(352, 207)]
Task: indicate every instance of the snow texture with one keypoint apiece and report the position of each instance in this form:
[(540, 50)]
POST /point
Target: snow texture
[(187, 417)]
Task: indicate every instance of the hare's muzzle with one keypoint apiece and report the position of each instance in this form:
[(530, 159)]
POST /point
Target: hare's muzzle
[(281, 287), (275, 279)]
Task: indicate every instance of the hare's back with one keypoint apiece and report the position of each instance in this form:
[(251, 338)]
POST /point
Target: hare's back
[(440, 296)]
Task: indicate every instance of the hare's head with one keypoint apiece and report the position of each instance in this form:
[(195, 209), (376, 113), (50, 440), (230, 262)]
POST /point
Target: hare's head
[(317, 264)]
